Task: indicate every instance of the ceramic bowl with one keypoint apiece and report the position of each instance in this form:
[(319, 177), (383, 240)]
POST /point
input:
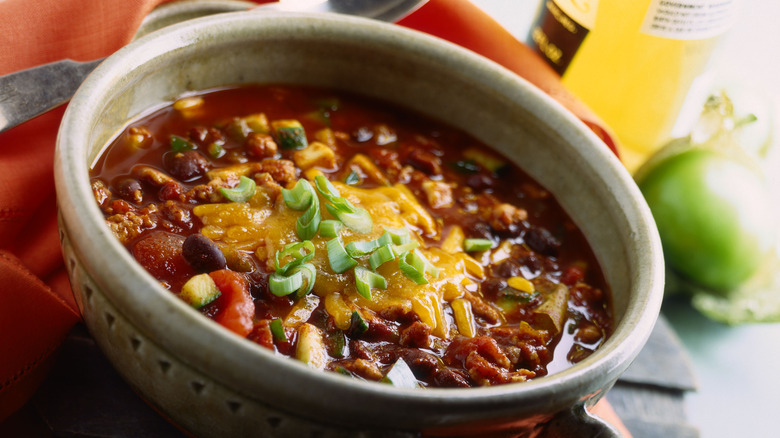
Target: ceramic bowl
[(214, 384)]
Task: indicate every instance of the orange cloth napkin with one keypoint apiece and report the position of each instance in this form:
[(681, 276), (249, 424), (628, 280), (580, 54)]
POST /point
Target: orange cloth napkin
[(38, 308)]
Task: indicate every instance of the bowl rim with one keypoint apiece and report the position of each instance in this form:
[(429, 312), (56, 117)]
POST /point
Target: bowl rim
[(101, 251)]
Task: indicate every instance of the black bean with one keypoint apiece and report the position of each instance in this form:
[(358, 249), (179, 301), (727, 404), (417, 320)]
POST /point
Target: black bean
[(203, 254), (542, 241)]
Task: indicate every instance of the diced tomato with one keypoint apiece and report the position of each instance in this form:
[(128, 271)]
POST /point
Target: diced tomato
[(237, 308), (573, 275)]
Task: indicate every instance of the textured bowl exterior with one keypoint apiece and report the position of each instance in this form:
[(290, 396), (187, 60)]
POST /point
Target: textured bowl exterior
[(213, 383)]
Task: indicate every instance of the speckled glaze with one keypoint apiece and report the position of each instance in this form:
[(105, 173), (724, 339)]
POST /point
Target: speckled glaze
[(215, 384)]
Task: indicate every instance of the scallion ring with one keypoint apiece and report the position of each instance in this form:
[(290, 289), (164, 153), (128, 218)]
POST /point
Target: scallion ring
[(366, 279), (242, 192), (282, 285), (330, 228), (472, 245), (339, 260), (300, 252), (380, 256)]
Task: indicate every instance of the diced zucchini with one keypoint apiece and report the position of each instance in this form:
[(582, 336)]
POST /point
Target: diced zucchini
[(336, 343), (277, 330), (289, 134), (238, 129), (199, 291), (358, 324), (311, 347), (401, 376), (484, 159), (510, 299)]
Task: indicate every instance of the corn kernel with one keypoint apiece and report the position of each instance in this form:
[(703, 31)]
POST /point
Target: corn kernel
[(473, 267), (186, 104), (520, 284), (464, 317)]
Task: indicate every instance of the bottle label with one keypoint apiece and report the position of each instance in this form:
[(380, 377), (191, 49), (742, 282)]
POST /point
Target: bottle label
[(688, 19), (561, 28)]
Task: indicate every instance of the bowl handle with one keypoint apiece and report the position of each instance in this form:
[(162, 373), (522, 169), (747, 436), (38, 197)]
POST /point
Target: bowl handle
[(579, 422)]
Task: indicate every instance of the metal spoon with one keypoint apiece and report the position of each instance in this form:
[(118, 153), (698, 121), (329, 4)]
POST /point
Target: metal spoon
[(29, 93)]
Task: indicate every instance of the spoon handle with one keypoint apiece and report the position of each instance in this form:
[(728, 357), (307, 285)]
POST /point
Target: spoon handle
[(32, 92)]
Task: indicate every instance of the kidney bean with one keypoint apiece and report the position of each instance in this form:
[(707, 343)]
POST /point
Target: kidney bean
[(188, 165), (130, 189), (425, 161), (203, 254), (481, 181), (450, 378)]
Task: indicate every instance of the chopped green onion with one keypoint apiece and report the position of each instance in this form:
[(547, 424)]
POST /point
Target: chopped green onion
[(277, 330), (289, 134), (301, 197), (400, 375), (406, 247), (180, 144), (470, 245), (309, 275), (414, 266), (309, 222), (365, 280), (358, 324), (242, 192), (330, 228), (301, 252), (352, 217), (339, 260), (358, 220), (380, 256), (408, 268), (359, 249), (281, 285), (399, 236), (299, 280), (326, 188)]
